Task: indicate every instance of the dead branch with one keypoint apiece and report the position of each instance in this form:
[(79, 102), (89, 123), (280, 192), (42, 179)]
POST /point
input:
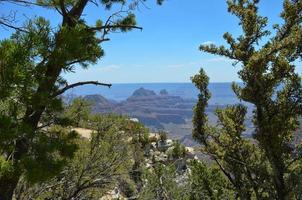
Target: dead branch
[(61, 91)]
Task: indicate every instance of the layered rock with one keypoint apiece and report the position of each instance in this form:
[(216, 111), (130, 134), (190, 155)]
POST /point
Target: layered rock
[(148, 107)]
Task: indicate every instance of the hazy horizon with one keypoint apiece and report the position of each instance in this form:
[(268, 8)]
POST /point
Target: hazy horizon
[(222, 93)]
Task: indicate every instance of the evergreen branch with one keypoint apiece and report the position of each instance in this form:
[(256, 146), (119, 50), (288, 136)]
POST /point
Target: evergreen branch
[(61, 91), (292, 162), (224, 171)]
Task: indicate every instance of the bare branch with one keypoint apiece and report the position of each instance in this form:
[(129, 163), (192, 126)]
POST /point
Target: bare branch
[(113, 27), (23, 2), (103, 40), (61, 91), (5, 24)]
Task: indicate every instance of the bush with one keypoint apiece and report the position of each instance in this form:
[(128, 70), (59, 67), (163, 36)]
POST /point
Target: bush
[(163, 136)]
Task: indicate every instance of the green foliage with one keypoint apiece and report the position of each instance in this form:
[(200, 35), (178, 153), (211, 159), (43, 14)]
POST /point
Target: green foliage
[(77, 45), (50, 154), (139, 144), (124, 24), (139, 134), (5, 167), (261, 167), (160, 184), (127, 187), (78, 112), (201, 81), (31, 64), (162, 136), (178, 151), (19, 79), (207, 182), (97, 167)]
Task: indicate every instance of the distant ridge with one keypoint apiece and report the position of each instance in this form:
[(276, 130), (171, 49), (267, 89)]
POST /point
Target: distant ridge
[(150, 108), (143, 92), (221, 92)]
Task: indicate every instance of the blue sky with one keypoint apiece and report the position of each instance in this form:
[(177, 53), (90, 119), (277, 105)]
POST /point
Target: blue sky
[(167, 48)]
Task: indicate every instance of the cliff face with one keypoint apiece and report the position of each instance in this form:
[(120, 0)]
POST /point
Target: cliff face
[(150, 108), (100, 104), (141, 92), (157, 111)]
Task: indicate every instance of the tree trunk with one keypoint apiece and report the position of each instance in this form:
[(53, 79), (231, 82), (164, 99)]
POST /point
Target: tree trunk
[(275, 158), (40, 100), (279, 180), (8, 185)]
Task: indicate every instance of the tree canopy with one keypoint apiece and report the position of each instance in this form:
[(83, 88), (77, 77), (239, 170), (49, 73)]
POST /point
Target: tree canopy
[(31, 66), (43, 156), (268, 166)]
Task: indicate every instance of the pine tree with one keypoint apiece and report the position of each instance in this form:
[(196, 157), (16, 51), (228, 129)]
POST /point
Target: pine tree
[(31, 64)]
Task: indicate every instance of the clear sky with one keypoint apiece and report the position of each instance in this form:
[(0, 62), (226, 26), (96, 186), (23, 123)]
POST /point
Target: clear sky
[(167, 48)]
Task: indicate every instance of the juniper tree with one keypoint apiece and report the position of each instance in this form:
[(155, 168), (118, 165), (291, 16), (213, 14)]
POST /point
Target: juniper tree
[(207, 183), (31, 64), (160, 183), (78, 112), (269, 165)]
